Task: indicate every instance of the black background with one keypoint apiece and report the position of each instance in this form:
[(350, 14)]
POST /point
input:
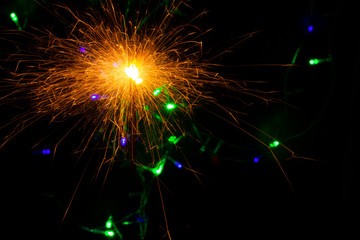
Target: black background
[(233, 196)]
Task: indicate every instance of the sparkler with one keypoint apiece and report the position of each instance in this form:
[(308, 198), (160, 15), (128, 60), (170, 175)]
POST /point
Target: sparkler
[(139, 77), (129, 83)]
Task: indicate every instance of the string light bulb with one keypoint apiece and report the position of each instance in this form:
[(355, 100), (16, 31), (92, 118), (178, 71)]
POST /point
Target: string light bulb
[(274, 144), (178, 165), (160, 167), (157, 91), (123, 141), (109, 233), (172, 139), (109, 223), (157, 171), (170, 106), (95, 96), (315, 61), (15, 19), (310, 28)]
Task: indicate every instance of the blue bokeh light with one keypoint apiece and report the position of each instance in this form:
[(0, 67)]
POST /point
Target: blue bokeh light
[(123, 141), (45, 151), (178, 165), (95, 96)]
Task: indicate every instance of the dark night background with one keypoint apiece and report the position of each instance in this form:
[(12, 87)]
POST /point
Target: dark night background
[(234, 196)]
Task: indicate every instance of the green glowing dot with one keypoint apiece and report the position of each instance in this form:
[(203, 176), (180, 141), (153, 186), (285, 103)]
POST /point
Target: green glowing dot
[(13, 17), (126, 223), (274, 144), (109, 223), (157, 91), (158, 117), (109, 233), (172, 139), (157, 171), (313, 61), (170, 106)]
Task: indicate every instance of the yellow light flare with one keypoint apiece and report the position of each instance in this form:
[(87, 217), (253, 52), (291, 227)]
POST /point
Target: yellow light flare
[(133, 72)]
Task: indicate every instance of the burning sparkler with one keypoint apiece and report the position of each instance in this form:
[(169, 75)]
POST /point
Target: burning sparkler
[(137, 76), (130, 83)]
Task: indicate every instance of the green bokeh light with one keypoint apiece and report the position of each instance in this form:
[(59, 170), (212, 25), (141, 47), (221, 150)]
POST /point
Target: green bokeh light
[(160, 167), (109, 233), (157, 91), (109, 223), (157, 171), (172, 139), (170, 106), (274, 144), (13, 17), (314, 61)]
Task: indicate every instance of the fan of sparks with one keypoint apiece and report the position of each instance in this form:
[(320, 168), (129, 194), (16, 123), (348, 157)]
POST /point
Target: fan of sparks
[(125, 79)]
